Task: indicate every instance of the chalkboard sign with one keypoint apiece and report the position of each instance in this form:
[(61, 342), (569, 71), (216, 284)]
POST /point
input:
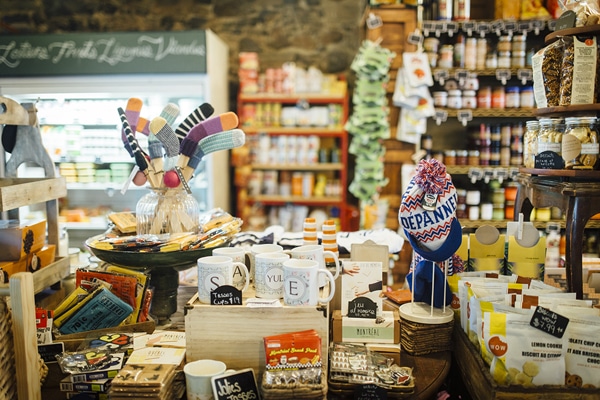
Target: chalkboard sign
[(548, 321), (362, 307), (238, 385), (49, 351), (566, 20), (369, 392), (549, 160), (226, 295)]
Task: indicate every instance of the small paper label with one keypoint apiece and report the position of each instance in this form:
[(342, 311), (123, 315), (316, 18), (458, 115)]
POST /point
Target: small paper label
[(571, 147)]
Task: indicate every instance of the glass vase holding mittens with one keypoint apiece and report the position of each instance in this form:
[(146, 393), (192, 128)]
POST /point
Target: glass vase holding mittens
[(167, 211)]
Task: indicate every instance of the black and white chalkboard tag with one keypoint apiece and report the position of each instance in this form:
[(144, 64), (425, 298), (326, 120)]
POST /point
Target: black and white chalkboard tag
[(548, 321), (370, 392), (549, 160), (497, 26), (226, 295), (566, 20), (236, 385), (510, 27), (362, 307), (49, 351), (503, 75), (451, 28)]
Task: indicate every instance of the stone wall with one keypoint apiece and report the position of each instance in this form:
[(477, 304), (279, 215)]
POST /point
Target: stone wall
[(321, 33)]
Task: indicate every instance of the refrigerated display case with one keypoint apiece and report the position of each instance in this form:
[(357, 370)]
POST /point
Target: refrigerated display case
[(77, 81)]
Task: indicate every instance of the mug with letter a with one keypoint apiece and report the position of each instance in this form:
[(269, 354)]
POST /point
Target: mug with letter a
[(268, 275), (301, 283), (216, 271), (239, 256)]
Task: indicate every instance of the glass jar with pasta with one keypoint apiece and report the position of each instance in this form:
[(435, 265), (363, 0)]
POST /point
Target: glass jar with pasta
[(580, 147), (549, 141), (530, 143)]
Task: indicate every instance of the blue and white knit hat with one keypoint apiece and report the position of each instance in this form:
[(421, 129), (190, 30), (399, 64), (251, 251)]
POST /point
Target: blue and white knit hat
[(428, 212)]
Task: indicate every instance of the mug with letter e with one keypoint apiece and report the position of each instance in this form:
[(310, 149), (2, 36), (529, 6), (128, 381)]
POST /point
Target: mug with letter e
[(268, 275), (316, 252), (301, 283), (217, 271)]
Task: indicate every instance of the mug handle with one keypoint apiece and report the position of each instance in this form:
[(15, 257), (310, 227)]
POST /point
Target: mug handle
[(331, 279), (337, 262), (246, 274)]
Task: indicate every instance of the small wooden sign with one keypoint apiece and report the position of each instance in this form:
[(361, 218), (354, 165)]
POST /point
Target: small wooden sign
[(548, 321), (226, 295), (237, 385)]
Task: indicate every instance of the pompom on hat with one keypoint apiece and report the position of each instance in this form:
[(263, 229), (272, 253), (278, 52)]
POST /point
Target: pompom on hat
[(428, 212)]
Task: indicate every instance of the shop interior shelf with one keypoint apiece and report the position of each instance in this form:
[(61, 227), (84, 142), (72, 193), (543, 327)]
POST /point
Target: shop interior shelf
[(19, 192)]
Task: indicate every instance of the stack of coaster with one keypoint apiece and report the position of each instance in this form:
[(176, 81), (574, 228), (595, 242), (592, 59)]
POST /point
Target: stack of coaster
[(151, 381), (424, 330)]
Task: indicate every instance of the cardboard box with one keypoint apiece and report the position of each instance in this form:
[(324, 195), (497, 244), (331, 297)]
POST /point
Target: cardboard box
[(364, 330), (234, 334), (18, 239), (40, 259)]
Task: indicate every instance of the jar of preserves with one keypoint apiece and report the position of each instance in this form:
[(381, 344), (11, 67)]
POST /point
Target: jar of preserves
[(504, 43), (461, 157), (530, 143), (482, 50), (526, 97), (473, 158), (468, 99), (504, 60), (440, 98), (513, 97), (580, 147), (518, 43), (549, 137), (446, 59), (454, 99), (498, 97), (484, 97), (450, 157), (471, 53)]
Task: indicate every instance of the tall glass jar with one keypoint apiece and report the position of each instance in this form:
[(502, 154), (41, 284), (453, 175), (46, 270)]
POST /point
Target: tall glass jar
[(167, 211), (530, 143), (580, 143), (550, 137)]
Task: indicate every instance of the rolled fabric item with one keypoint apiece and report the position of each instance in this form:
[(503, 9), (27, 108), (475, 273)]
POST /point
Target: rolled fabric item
[(201, 113), (132, 114), (170, 113)]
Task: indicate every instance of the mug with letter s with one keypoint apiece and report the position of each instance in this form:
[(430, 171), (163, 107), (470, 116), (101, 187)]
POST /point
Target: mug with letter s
[(301, 283), (268, 275), (239, 256), (216, 271), (198, 376)]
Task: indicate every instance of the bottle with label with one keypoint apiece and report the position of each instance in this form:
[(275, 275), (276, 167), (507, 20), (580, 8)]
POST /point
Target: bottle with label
[(462, 10), (445, 9), (459, 51)]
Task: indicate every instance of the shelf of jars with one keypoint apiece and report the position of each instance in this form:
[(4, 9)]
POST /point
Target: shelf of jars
[(486, 112), (279, 200), (483, 28), (300, 167), (336, 95), (304, 131)]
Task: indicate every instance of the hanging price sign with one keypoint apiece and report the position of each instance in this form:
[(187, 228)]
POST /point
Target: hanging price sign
[(440, 116), (510, 27), (503, 75), (483, 28), (497, 26), (469, 27), (464, 116), (525, 75), (451, 28)]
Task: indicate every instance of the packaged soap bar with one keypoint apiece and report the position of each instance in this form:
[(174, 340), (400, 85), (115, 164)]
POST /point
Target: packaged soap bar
[(18, 238)]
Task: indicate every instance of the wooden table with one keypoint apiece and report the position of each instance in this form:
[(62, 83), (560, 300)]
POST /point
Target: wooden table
[(577, 194)]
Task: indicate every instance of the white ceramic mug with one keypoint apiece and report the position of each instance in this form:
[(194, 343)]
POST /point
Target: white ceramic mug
[(268, 275), (239, 256), (317, 253), (301, 283), (261, 248), (216, 271), (198, 376)]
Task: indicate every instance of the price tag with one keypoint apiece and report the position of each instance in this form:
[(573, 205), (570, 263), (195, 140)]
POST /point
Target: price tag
[(370, 391), (525, 75), (451, 28), (483, 28), (428, 26), (441, 75), (469, 27), (226, 295), (537, 26), (475, 174), (362, 307), (461, 76), (503, 75), (501, 174), (513, 173), (524, 27), (497, 26), (548, 321), (566, 20), (488, 175), (552, 25), (510, 27), (239, 384), (415, 38), (465, 116), (374, 21), (440, 116)]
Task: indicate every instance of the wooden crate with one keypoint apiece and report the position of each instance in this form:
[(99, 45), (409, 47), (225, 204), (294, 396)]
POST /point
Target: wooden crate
[(481, 385), (234, 334)]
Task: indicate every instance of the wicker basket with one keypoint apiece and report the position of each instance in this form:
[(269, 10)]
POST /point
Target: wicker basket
[(8, 382), (422, 333), (294, 391)]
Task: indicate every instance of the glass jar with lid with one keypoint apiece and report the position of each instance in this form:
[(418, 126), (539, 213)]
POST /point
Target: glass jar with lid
[(549, 138), (580, 147), (530, 143), (167, 211)]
